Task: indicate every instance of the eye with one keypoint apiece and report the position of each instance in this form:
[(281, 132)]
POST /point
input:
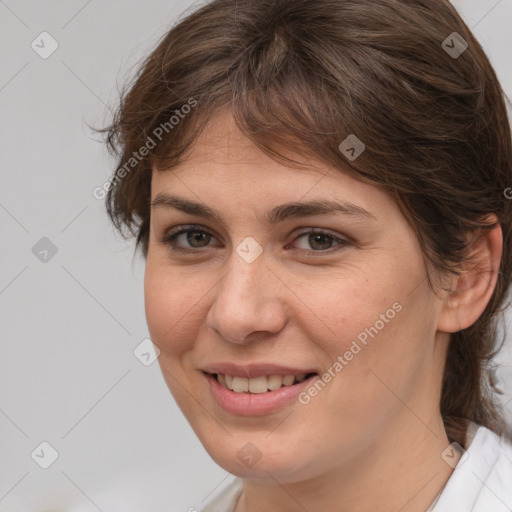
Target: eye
[(196, 237), (320, 241)]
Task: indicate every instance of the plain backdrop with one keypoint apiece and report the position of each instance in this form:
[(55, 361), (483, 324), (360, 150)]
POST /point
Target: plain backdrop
[(72, 305)]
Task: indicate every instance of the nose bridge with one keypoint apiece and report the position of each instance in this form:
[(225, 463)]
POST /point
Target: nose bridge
[(247, 267), (243, 302)]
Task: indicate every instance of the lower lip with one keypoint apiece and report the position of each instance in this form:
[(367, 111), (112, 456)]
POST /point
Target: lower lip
[(254, 404)]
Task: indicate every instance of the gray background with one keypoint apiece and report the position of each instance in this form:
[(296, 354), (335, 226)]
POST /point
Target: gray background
[(68, 374)]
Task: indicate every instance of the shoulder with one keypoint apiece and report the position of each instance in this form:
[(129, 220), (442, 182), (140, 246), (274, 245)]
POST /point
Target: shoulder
[(495, 474), (482, 479), (225, 498)]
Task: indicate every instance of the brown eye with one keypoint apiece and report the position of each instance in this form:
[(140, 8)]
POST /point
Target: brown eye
[(195, 238), (321, 241)]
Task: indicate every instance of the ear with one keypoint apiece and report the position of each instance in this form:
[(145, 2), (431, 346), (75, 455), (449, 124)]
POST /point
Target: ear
[(471, 291)]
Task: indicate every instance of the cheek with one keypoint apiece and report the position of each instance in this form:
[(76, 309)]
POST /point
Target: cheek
[(373, 321), (172, 307), (350, 308), (384, 350)]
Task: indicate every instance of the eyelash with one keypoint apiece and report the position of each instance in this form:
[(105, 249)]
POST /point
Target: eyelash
[(168, 239)]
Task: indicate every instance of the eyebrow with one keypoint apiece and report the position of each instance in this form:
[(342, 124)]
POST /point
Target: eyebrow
[(273, 216)]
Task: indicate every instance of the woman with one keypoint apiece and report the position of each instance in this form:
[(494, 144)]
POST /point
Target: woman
[(318, 190)]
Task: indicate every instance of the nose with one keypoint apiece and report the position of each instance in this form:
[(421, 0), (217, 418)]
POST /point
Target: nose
[(247, 302)]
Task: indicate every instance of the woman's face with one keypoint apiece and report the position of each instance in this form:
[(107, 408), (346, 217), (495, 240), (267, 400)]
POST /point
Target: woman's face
[(254, 293)]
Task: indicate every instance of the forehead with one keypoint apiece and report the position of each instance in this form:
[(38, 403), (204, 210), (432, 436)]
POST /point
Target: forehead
[(224, 164), (222, 146)]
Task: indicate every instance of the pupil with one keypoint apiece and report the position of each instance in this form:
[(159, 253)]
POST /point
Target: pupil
[(196, 237), (319, 236)]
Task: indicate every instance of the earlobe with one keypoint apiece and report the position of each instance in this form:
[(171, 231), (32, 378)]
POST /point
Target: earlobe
[(472, 290)]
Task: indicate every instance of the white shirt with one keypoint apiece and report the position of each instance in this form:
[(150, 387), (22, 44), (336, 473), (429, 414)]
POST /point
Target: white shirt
[(480, 482)]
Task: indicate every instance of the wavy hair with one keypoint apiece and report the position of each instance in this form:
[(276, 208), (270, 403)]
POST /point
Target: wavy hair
[(302, 75)]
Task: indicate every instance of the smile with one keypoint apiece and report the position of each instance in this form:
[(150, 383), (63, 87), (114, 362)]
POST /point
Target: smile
[(256, 390), (257, 385)]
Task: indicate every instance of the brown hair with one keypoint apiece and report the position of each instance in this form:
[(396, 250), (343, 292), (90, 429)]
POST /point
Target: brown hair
[(302, 75)]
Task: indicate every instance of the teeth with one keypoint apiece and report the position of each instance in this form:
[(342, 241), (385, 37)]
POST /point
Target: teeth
[(240, 384), (274, 381), (288, 380), (260, 384)]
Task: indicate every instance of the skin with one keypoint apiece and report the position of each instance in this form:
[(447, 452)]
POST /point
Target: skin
[(372, 438)]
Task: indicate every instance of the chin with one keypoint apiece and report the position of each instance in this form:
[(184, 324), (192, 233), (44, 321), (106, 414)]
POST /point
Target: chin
[(257, 458)]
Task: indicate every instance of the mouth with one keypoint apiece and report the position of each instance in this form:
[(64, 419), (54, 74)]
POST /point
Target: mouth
[(260, 384), (261, 393)]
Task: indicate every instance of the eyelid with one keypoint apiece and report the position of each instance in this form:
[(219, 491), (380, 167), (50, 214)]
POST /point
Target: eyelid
[(170, 235), (184, 228)]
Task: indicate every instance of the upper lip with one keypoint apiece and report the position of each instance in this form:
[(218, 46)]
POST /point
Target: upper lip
[(254, 370)]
